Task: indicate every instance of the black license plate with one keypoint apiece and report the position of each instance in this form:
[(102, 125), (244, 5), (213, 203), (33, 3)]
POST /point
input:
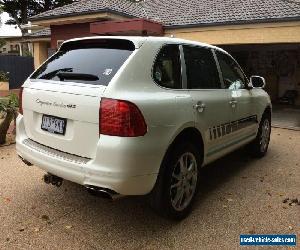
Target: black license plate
[(54, 125)]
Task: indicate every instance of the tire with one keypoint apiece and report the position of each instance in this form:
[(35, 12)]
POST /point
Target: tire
[(260, 145), (175, 188)]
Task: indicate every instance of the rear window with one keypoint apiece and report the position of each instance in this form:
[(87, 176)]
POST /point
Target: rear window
[(93, 61)]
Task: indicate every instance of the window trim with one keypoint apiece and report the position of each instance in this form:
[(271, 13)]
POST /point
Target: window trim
[(219, 69), (230, 56), (183, 68), (216, 63)]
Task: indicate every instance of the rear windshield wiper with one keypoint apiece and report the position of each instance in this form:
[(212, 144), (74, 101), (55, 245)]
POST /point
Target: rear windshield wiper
[(50, 75), (76, 76)]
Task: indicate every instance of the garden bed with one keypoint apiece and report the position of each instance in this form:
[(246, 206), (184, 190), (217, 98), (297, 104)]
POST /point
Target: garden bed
[(10, 137)]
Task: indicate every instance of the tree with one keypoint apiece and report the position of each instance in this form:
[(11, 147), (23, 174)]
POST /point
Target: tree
[(1, 10), (10, 107), (20, 11), (2, 42)]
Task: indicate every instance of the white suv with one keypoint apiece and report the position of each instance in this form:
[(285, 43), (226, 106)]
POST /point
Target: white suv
[(139, 115)]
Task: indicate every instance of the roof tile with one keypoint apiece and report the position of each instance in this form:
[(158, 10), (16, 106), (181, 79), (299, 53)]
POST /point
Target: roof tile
[(40, 33), (187, 12)]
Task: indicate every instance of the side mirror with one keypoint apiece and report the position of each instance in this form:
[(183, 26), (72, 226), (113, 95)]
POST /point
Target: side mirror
[(257, 82)]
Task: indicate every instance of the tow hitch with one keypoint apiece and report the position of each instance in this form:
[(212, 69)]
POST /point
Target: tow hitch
[(53, 179)]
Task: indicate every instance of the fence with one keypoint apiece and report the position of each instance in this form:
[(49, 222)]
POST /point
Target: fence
[(19, 68)]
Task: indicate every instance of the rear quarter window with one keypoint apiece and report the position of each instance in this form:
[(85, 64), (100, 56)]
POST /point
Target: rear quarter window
[(92, 61), (167, 67)]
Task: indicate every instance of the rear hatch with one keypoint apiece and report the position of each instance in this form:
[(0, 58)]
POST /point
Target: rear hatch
[(61, 100)]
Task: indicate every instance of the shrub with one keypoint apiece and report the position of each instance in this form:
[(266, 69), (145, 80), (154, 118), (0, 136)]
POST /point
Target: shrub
[(4, 76), (9, 106)]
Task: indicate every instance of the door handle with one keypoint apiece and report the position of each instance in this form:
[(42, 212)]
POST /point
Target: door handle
[(200, 106)]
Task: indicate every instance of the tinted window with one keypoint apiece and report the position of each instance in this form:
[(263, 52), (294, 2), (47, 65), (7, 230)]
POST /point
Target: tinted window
[(167, 68), (201, 68), (88, 61), (232, 73)]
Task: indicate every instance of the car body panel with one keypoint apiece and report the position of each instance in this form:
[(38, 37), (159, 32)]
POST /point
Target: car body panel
[(125, 165), (82, 127)]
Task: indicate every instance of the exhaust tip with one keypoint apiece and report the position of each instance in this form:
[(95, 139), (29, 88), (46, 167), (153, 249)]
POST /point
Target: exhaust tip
[(25, 161), (103, 192)]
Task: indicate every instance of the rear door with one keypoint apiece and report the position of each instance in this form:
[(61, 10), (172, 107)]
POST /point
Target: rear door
[(61, 100), (210, 101), (244, 122)]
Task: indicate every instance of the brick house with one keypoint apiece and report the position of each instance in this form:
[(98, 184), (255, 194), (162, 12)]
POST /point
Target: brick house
[(264, 36)]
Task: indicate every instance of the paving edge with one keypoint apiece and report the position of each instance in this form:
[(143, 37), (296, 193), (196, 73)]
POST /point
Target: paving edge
[(286, 127)]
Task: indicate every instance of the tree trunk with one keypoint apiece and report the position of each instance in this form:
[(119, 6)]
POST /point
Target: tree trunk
[(4, 126), (15, 123)]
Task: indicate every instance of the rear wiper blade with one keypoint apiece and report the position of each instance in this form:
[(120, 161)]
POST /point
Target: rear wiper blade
[(76, 76), (52, 74)]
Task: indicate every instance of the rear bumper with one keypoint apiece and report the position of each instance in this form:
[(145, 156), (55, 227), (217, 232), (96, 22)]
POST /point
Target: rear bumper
[(125, 179)]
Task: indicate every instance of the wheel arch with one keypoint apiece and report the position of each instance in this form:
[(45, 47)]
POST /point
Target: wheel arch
[(268, 111), (187, 134)]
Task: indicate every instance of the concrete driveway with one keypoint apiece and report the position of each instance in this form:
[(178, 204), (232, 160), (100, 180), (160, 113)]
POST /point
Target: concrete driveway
[(239, 195), (286, 117)]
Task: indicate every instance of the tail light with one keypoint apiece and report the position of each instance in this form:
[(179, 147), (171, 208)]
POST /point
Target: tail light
[(21, 101), (121, 118)]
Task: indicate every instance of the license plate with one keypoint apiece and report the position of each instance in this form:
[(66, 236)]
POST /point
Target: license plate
[(54, 124)]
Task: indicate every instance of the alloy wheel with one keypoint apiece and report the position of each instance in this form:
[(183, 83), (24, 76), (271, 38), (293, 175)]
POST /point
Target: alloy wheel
[(184, 181), (265, 135)]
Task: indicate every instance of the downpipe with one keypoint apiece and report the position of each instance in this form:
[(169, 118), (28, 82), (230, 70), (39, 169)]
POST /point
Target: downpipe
[(53, 179), (103, 193)]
